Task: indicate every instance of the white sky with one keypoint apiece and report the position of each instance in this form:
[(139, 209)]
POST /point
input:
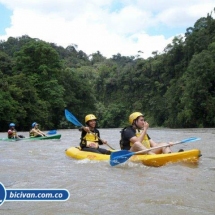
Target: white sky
[(108, 26)]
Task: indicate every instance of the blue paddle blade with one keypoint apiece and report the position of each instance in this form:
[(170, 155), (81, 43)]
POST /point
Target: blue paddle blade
[(120, 157), (71, 118), (191, 139), (52, 132)]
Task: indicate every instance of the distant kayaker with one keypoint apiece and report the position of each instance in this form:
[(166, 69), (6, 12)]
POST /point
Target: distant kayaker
[(35, 131), (135, 137), (12, 133), (90, 137)]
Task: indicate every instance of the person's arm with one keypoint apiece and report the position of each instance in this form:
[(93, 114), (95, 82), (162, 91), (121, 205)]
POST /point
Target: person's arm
[(83, 134), (40, 132), (153, 143), (34, 131), (85, 128), (101, 141), (37, 131), (16, 135), (10, 132), (129, 134)]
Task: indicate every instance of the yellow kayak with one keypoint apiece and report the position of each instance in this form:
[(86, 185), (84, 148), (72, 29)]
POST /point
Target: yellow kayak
[(191, 156), (75, 152)]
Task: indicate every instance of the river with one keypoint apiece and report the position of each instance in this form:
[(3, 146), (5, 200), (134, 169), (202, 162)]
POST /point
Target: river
[(97, 188)]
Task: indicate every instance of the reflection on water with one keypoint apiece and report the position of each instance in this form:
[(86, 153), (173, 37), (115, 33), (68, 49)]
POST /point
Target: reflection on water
[(97, 188)]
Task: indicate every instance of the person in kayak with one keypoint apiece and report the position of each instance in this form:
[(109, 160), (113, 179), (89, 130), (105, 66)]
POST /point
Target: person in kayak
[(90, 137), (12, 133), (35, 131), (135, 137)]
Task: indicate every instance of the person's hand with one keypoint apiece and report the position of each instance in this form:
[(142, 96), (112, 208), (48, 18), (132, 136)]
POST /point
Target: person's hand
[(146, 125), (104, 141), (87, 129), (170, 143)]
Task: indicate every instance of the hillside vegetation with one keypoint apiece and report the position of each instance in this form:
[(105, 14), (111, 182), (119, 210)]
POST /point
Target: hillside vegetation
[(175, 88)]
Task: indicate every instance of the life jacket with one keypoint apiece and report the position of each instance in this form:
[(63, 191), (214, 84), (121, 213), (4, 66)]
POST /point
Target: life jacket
[(126, 144), (145, 141), (12, 133), (92, 137)]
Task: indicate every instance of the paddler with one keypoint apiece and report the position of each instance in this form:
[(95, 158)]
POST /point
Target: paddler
[(12, 133), (90, 136), (35, 131), (135, 137)]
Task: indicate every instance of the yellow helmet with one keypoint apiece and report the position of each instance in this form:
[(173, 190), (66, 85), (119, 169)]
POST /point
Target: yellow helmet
[(89, 117), (134, 116)]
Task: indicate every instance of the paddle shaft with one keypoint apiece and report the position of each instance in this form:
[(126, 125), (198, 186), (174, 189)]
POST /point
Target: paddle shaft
[(158, 147), (110, 146)]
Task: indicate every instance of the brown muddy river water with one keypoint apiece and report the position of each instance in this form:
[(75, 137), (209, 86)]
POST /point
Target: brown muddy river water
[(97, 188)]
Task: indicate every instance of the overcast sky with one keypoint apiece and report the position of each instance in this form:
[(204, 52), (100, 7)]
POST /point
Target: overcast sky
[(108, 26)]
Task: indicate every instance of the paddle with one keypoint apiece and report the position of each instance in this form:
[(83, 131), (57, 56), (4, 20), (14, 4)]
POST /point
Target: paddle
[(52, 132), (71, 118), (123, 155)]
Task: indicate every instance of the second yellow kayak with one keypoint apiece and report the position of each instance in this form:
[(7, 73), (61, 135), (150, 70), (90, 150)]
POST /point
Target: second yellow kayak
[(191, 156)]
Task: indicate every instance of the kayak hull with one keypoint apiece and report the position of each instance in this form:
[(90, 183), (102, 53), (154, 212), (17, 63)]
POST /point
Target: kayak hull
[(190, 156), (56, 136)]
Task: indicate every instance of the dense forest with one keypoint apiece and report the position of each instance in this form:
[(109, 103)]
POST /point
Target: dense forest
[(175, 88)]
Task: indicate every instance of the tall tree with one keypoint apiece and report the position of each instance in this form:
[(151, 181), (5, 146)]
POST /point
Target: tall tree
[(40, 63)]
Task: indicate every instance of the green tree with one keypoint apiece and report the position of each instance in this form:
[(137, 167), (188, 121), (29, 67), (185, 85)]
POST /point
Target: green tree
[(199, 91), (39, 65)]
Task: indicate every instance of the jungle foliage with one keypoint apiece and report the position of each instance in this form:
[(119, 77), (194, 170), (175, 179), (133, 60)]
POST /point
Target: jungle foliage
[(175, 89)]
